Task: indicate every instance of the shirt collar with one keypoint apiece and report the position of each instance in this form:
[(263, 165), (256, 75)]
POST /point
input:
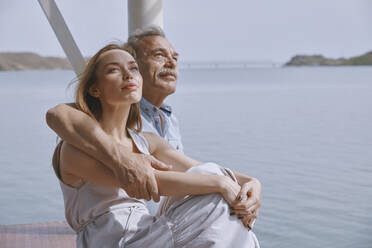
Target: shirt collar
[(150, 109)]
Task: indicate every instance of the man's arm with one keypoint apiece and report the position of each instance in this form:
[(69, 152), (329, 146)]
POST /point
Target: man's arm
[(81, 131), (132, 170), (171, 183)]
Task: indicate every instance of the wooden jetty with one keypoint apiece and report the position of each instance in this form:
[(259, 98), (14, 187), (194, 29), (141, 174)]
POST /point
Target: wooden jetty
[(41, 235)]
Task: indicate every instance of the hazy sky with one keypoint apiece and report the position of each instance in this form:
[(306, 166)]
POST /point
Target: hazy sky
[(202, 30)]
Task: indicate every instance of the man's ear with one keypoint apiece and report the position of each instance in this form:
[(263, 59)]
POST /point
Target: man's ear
[(94, 91)]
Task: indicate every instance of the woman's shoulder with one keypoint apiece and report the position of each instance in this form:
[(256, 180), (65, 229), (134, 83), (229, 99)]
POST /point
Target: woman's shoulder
[(69, 161), (152, 140), (150, 135)]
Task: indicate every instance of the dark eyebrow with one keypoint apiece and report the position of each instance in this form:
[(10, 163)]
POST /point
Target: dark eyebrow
[(117, 64), (111, 63)]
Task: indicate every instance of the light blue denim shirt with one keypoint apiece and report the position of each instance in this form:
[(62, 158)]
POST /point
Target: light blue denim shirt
[(151, 123)]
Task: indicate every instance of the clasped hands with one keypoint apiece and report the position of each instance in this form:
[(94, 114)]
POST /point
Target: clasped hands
[(244, 200), (139, 182), (248, 202)]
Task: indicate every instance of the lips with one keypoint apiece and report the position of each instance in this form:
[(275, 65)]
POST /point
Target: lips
[(130, 86)]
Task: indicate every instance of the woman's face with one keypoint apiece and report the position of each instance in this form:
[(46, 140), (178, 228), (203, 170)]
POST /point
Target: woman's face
[(118, 80)]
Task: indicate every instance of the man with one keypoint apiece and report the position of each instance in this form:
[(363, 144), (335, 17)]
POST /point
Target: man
[(157, 61)]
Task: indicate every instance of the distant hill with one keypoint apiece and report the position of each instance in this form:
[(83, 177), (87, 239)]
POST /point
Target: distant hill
[(319, 60), (31, 61)]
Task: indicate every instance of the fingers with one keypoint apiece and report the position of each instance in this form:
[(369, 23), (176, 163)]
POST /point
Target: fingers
[(248, 223), (144, 192), (245, 213), (133, 191), (156, 164), (152, 189), (253, 220), (247, 220), (242, 195), (251, 201), (246, 209), (254, 208)]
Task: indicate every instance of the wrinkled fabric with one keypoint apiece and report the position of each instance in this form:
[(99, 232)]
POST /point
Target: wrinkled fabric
[(106, 217)]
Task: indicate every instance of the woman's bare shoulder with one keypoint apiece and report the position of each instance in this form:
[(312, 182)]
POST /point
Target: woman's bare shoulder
[(152, 140), (71, 158), (150, 135)]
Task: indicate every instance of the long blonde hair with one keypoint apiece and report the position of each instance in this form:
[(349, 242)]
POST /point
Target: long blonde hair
[(91, 105)]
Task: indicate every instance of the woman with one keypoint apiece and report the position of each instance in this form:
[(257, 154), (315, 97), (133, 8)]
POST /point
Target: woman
[(102, 214)]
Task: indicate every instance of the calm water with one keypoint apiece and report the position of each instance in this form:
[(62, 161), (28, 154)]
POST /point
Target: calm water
[(304, 132)]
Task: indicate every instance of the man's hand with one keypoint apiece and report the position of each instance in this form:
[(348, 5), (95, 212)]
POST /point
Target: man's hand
[(132, 170), (248, 202), (136, 175)]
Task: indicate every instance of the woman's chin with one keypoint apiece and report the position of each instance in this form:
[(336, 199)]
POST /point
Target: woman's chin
[(133, 97), (132, 100)]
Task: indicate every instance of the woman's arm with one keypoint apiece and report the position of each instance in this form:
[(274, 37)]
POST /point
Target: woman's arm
[(162, 150), (250, 191), (76, 165), (173, 183)]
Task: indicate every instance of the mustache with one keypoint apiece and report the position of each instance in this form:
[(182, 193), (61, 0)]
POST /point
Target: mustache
[(165, 71)]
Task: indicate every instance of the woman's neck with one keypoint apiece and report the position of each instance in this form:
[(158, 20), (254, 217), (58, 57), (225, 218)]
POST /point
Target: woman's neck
[(114, 120)]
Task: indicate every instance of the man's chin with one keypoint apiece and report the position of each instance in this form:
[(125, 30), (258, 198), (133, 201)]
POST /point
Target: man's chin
[(168, 87)]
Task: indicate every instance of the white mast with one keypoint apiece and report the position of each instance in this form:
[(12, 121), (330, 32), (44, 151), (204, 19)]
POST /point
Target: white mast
[(143, 13), (64, 35)]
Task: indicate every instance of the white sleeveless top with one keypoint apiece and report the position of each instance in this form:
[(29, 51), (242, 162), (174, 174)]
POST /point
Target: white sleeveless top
[(106, 217), (89, 201)]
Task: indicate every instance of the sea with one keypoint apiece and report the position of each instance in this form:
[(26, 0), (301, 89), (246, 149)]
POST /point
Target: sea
[(305, 133)]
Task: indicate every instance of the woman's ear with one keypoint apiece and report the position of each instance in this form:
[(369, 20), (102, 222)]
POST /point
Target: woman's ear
[(94, 91)]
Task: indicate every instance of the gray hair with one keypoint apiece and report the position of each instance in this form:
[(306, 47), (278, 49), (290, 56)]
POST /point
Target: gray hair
[(141, 33)]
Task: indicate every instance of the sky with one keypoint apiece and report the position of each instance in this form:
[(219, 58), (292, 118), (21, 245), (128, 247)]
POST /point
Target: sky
[(202, 30)]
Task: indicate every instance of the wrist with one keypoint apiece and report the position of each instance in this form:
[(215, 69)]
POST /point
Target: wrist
[(221, 183)]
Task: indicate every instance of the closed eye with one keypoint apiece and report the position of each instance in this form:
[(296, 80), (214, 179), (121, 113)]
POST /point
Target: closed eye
[(134, 68), (159, 55), (114, 69)]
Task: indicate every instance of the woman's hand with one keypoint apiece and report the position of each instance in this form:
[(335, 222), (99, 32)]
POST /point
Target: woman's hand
[(248, 203), (229, 189)]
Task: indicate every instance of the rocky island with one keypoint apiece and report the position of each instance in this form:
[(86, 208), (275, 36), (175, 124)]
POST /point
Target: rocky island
[(31, 61), (320, 60)]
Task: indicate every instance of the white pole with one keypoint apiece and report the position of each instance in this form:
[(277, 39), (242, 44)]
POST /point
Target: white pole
[(143, 13), (64, 35)]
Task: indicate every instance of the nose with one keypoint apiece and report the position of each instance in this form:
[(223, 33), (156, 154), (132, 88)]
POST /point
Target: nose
[(127, 75), (171, 62)]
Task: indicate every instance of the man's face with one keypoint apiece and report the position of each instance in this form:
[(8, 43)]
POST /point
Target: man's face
[(157, 60)]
